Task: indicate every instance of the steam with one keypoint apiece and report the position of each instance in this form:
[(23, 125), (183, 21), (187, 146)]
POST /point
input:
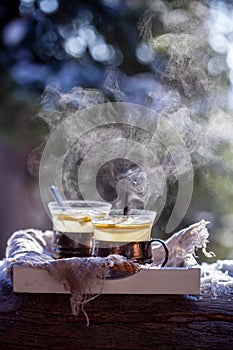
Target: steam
[(189, 103), (57, 106), (115, 157), (196, 44), (195, 73)]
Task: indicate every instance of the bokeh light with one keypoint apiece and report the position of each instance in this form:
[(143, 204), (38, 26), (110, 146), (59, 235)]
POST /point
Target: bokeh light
[(49, 6), (144, 53), (102, 52), (14, 32), (75, 46)]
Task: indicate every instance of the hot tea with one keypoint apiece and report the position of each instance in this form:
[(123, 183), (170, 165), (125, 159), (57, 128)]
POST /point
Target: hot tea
[(73, 229)]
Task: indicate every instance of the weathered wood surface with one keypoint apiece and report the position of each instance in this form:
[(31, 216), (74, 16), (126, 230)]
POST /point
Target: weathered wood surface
[(116, 322)]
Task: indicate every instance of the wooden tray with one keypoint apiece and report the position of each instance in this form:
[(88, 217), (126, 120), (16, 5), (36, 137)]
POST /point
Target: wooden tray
[(146, 281)]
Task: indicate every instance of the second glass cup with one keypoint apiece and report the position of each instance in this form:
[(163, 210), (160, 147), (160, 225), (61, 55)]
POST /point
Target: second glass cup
[(72, 226), (127, 235)]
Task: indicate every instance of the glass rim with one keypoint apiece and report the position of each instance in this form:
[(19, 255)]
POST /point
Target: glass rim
[(84, 204), (135, 213), (132, 212)]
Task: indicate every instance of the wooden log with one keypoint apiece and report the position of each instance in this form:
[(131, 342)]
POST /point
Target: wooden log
[(44, 321)]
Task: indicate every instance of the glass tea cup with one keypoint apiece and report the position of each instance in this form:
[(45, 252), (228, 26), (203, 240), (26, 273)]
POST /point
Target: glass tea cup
[(72, 226), (127, 235)]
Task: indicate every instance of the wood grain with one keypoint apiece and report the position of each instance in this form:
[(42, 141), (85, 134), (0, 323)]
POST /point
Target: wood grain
[(39, 321)]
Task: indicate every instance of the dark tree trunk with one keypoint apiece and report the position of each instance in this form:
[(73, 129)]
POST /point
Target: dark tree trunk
[(33, 321)]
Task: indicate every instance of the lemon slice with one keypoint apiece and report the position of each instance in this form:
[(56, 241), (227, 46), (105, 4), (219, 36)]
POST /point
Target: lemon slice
[(122, 226), (66, 217)]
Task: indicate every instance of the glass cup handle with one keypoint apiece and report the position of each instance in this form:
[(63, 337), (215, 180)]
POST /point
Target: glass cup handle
[(164, 246)]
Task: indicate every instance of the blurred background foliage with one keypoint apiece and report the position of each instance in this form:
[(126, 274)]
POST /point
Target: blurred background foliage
[(173, 56)]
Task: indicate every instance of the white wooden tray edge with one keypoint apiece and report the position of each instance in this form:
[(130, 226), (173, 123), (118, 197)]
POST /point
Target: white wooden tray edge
[(147, 281)]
